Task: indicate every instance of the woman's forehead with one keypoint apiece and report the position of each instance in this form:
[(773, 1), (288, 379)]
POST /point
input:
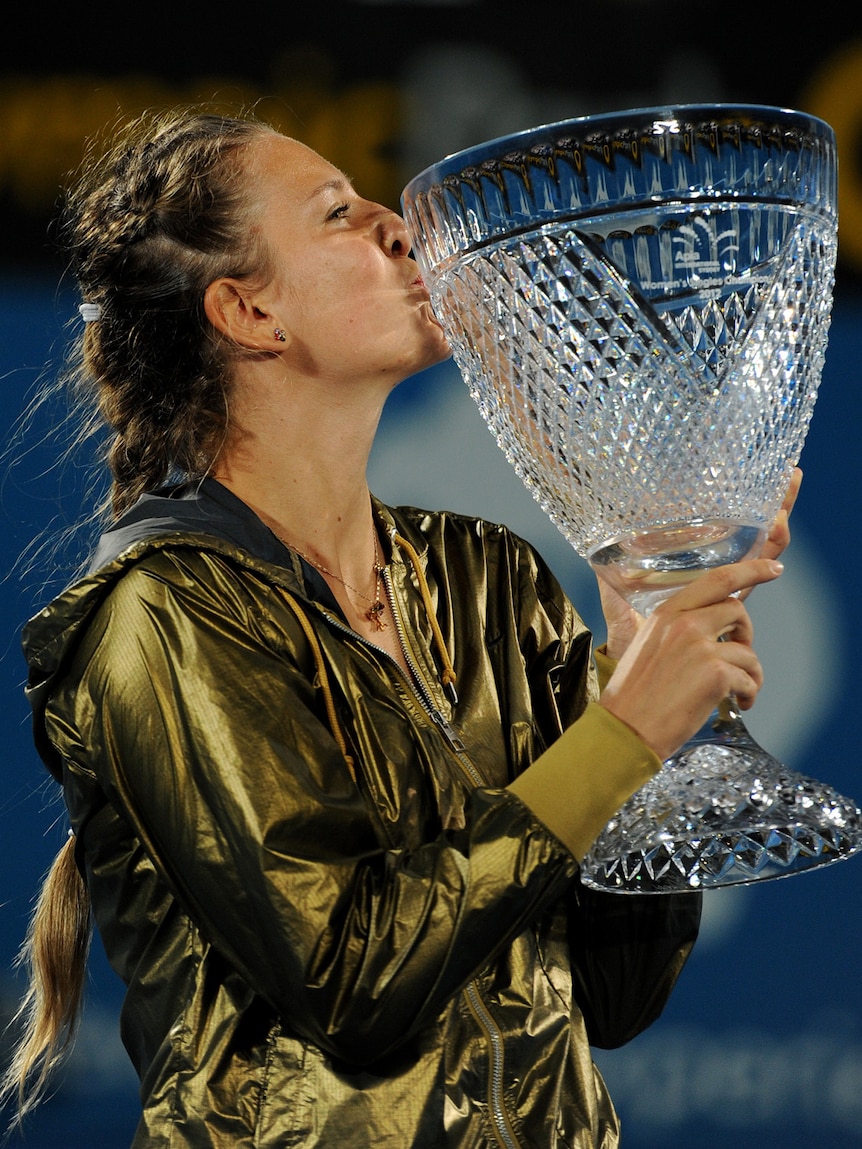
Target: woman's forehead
[(287, 163)]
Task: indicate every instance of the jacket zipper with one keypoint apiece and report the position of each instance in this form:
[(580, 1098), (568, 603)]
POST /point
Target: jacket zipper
[(496, 1104), (415, 682), (421, 689)]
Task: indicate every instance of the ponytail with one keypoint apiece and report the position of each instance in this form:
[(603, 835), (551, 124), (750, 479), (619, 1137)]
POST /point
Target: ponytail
[(54, 954)]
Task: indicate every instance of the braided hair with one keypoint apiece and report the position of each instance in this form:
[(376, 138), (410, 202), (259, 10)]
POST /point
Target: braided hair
[(149, 226)]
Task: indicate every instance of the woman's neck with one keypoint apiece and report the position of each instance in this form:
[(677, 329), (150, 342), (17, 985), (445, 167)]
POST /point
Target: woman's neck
[(298, 457)]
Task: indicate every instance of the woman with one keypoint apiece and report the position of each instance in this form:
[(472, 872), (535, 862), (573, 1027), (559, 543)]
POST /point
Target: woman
[(330, 765)]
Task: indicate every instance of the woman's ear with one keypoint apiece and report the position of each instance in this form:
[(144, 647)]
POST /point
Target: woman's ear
[(232, 309)]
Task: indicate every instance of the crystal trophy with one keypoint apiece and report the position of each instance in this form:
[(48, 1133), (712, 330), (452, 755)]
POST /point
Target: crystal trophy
[(639, 303)]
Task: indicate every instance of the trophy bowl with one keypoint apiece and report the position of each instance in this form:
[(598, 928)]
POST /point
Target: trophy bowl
[(639, 303)]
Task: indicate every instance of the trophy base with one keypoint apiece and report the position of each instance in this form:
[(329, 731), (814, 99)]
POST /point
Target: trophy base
[(721, 812)]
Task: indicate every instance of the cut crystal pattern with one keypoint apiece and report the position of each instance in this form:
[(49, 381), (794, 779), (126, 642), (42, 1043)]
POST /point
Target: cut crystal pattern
[(619, 418)]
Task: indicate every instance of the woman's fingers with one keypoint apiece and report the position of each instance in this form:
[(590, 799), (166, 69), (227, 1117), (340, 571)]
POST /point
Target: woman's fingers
[(721, 583), (726, 619), (746, 673), (621, 620), (676, 671), (792, 490), (778, 538)]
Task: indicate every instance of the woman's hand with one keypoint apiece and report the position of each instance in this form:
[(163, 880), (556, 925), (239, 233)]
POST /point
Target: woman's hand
[(674, 672), (623, 622), (778, 539)]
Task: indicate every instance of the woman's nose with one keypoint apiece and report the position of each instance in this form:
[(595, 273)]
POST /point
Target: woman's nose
[(395, 236)]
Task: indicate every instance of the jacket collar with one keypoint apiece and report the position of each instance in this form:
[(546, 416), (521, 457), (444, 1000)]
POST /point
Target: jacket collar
[(199, 507)]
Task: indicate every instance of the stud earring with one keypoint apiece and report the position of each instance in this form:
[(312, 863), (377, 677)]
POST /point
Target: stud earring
[(279, 334)]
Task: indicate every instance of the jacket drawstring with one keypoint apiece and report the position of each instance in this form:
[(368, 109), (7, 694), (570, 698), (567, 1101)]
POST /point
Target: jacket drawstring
[(323, 679), (448, 677)]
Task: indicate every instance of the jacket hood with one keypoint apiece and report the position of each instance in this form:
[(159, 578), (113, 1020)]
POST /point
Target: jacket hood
[(202, 507), (201, 514)]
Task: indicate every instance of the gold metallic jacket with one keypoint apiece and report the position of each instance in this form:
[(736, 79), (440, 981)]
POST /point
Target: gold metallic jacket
[(337, 924)]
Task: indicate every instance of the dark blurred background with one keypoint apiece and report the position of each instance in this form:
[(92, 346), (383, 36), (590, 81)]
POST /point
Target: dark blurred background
[(761, 1046)]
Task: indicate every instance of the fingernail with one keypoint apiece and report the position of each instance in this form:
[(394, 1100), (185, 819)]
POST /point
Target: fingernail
[(777, 567)]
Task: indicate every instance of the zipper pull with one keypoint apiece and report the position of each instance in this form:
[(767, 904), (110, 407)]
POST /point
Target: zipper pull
[(450, 735)]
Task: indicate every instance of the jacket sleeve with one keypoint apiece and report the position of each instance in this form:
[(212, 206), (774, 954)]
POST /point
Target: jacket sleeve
[(627, 951), (208, 736)]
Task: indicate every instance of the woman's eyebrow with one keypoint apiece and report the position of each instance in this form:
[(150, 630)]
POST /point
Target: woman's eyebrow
[(337, 183)]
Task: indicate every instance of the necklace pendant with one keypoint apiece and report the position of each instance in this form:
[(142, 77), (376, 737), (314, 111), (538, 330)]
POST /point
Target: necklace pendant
[(375, 614)]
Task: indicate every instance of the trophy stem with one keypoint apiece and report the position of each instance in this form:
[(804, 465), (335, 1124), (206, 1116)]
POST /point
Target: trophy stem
[(722, 812)]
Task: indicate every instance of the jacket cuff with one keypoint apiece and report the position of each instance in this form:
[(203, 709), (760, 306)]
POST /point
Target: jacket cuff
[(578, 784)]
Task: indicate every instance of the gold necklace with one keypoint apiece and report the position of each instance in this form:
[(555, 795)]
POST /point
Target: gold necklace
[(374, 614)]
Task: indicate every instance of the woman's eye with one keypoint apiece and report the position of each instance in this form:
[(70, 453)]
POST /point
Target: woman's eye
[(339, 212)]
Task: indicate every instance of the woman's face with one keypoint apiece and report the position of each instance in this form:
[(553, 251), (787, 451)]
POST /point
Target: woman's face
[(351, 302)]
